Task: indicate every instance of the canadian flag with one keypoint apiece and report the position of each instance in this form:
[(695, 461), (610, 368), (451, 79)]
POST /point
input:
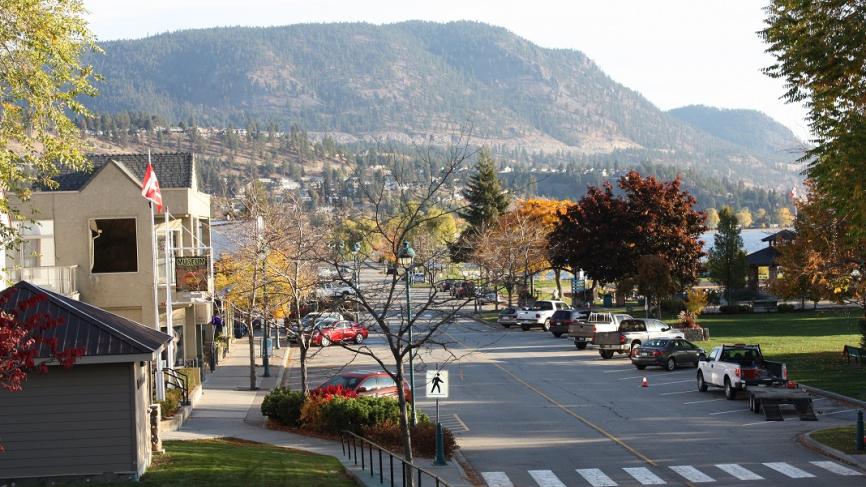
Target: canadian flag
[(150, 188)]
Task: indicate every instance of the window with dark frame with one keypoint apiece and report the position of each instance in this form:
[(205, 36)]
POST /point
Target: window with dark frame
[(115, 246)]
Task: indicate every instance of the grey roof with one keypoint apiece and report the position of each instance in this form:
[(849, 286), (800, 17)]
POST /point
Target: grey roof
[(96, 331), (764, 257), (173, 170), (784, 236)]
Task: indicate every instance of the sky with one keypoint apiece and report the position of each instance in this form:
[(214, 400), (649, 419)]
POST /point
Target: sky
[(674, 52)]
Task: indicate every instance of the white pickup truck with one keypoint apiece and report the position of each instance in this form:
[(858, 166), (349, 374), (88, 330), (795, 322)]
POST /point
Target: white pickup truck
[(539, 314), (334, 290), (631, 334), (736, 367)]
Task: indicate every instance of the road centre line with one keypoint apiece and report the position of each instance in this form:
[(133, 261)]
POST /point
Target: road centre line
[(705, 400), (580, 418), (728, 412)]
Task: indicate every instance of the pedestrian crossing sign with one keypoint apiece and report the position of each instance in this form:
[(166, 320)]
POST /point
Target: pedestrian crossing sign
[(436, 385)]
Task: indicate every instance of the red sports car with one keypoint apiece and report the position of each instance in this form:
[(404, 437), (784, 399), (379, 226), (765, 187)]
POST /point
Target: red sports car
[(339, 332), (368, 383)]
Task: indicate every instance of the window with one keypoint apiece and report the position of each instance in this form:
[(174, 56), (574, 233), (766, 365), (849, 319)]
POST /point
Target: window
[(385, 382), (113, 245), (370, 384)]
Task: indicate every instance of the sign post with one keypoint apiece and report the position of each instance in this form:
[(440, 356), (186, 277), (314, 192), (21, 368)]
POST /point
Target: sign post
[(436, 387)]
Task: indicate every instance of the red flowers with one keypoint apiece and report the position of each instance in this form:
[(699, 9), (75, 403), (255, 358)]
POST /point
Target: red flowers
[(329, 392)]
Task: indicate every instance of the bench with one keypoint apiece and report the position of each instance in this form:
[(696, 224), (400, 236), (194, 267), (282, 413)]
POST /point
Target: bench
[(854, 352), (765, 305)]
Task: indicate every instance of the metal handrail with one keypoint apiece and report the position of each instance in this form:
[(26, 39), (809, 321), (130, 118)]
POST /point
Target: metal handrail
[(179, 382), (409, 470)]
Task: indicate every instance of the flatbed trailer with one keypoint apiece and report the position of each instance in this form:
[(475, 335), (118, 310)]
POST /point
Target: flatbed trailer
[(770, 399)]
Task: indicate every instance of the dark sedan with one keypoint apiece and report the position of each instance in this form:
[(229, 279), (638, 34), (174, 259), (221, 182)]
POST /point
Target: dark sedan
[(666, 352)]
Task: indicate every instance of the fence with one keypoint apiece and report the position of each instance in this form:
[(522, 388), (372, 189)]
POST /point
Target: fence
[(408, 472)]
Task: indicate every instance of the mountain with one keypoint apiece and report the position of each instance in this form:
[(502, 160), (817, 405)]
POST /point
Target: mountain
[(750, 129), (413, 82)]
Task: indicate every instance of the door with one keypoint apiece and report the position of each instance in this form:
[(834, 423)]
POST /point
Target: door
[(690, 351), (714, 377), (342, 331)]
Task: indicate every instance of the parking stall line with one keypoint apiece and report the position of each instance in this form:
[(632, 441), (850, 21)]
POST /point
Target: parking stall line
[(675, 382), (596, 477), (676, 393), (545, 478), (789, 470), (496, 479), (632, 377), (617, 371), (644, 476), (839, 412), (692, 474), (738, 471), (728, 412), (835, 468), (705, 400)]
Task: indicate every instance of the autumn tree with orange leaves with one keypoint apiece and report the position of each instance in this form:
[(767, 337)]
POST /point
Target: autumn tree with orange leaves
[(545, 213)]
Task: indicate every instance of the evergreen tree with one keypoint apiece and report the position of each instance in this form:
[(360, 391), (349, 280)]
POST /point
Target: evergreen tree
[(484, 194), (726, 262), (486, 201)]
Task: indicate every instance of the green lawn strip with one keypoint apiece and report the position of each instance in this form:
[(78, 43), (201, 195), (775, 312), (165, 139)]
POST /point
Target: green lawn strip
[(489, 316), (842, 439), (228, 461), (810, 343)]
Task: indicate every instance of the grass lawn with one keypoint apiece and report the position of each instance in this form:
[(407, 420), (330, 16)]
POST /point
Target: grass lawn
[(841, 439), (810, 343), (230, 462)]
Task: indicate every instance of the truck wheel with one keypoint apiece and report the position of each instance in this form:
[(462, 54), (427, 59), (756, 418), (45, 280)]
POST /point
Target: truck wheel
[(506, 325), (640, 367), (606, 354), (730, 391), (702, 385), (671, 364), (524, 327), (580, 345), (546, 325), (557, 335), (754, 404)]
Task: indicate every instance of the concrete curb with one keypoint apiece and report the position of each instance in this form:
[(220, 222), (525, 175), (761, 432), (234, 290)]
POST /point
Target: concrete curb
[(806, 440), (175, 422), (832, 395)]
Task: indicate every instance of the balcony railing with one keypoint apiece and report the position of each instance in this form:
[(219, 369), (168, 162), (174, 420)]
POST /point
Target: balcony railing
[(60, 279)]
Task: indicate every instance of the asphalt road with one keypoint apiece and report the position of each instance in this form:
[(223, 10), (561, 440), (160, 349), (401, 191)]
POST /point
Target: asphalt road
[(532, 410)]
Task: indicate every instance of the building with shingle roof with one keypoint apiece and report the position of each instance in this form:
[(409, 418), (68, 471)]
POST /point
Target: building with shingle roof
[(89, 421)]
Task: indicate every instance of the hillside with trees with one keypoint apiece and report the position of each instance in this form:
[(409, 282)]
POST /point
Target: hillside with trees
[(410, 82)]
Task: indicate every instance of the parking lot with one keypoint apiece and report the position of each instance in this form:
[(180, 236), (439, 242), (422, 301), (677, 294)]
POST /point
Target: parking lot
[(530, 409)]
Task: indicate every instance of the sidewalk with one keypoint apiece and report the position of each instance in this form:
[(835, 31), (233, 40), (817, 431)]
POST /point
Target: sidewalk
[(229, 409)]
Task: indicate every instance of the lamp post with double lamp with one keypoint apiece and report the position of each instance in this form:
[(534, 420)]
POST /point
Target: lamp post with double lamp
[(263, 256), (406, 257)]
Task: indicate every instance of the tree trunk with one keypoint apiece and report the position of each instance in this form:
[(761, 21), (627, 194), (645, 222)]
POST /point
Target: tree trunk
[(303, 361), (556, 274)]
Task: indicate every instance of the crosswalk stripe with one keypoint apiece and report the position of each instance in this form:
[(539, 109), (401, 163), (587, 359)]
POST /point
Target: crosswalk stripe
[(545, 478), (789, 470), (692, 474), (836, 468), (497, 479), (739, 471), (644, 476), (596, 477)]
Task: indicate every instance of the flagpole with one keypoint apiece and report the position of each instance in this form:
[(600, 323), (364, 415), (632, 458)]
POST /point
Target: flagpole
[(160, 377), (169, 319)]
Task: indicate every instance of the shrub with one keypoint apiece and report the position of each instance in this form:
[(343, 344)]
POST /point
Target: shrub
[(169, 406), (735, 309), (696, 301), (283, 406), (388, 434), (336, 413), (687, 320), (786, 308)]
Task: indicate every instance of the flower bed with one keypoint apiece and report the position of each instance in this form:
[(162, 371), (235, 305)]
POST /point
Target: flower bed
[(332, 410)]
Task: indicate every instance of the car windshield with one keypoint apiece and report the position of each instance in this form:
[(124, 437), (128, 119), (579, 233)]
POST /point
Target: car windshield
[(740, 354), (541, 307), (508, 311), (347, 382), (657, 343), (561, 315)]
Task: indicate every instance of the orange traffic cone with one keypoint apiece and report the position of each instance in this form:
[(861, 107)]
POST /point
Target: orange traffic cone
[(644, 383)]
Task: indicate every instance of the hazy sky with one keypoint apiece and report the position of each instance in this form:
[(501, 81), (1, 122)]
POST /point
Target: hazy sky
[(674, 52)]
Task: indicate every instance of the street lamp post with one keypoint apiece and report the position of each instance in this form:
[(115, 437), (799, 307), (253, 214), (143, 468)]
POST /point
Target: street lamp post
[(406, 258), (263, 256), (356, 277)]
